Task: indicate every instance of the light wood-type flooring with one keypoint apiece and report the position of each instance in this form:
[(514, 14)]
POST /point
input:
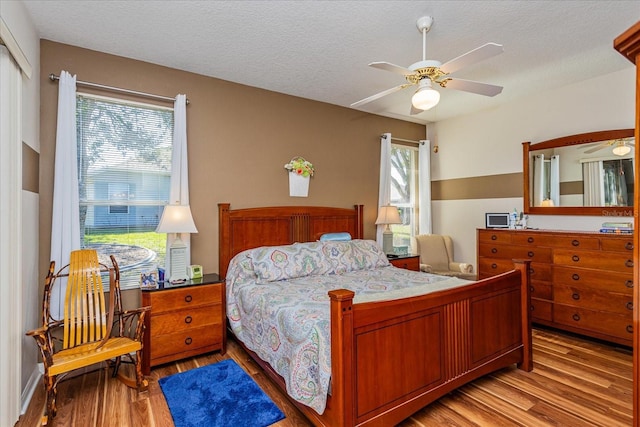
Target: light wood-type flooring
[(575, 382)]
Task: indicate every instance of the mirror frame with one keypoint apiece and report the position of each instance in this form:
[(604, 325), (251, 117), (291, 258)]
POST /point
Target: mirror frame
[(567, 141)]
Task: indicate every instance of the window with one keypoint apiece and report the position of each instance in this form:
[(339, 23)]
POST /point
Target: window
[(118, 191), (404, 192), (124, 174)]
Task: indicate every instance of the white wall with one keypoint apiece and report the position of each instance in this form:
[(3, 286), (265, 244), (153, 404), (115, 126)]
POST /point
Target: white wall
[(490, 142), (17, 19)]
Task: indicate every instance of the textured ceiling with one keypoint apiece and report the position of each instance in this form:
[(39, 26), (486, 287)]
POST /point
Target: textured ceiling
[(320, 49)]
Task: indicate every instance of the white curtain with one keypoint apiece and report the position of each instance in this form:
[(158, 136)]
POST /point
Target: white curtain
[(179, 192), (538, 180), (384, 191), (593, 184), (11, 285), (554, 180), (65, 221), (424, 178)]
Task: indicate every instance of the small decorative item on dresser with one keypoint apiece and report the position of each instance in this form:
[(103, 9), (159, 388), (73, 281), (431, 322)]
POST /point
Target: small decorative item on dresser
[(300, 171)]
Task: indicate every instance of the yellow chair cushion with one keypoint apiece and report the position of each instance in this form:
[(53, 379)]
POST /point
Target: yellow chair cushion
[(88, 354)]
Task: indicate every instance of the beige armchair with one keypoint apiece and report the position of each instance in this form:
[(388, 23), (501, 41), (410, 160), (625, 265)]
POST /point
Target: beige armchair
[(436, 256)]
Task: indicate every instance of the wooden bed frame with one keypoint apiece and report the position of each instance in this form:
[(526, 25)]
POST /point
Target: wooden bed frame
[(389, 359)]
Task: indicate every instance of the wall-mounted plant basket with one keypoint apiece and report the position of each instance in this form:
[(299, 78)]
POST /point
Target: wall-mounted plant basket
[(298, 185)]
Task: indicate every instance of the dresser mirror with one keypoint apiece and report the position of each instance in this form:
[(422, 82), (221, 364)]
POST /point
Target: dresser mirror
[(584, 174)]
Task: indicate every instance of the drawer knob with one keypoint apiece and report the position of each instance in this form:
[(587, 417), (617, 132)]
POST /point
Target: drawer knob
[(532, 289), (188, 298), (575, 296), (576, 317), (575, 276), (532, 271), (629, 284), (494, 265), (630, 306), (530, 240), (494, 237), (532, 308), (630, 329), (188, 341), (494, 250), (575, 258), (575, 242), (629, 263), (530, 254), (188, 319), (629, 246)]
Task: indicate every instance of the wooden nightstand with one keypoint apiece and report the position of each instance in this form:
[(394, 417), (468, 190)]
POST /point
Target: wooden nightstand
[(186, 319), (409, 262)]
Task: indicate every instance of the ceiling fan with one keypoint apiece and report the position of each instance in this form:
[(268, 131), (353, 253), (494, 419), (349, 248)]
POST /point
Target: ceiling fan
[(428, 71), (621, 146)]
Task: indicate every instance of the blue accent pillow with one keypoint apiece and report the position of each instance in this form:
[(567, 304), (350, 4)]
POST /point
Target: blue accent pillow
[(335, 237)]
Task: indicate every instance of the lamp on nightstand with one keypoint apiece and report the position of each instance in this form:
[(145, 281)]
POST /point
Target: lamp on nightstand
[(388, 215), (177, 219)]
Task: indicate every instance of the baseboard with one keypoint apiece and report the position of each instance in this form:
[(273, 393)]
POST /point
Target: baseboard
[(30, 388)]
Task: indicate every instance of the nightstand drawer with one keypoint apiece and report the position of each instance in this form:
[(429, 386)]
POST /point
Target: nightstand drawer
[(176, 299), (186, 319), (408, 263), (184, 341)]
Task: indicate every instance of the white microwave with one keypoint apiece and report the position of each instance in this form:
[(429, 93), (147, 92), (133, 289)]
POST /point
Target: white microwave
[(497, 220)]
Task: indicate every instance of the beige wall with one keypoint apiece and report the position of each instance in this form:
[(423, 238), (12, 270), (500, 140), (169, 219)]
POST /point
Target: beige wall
[(239, 139), (478, 148)]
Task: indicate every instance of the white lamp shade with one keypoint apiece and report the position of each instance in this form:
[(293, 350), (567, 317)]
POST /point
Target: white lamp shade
[(547, 203), (425, 97), (176, 219), (621, 150), (388, 215)]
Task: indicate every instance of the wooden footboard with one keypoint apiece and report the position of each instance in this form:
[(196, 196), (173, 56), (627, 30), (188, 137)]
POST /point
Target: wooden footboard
[(389, 359)]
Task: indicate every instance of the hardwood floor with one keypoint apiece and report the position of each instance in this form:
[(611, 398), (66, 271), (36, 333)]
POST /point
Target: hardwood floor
[(575, 382)]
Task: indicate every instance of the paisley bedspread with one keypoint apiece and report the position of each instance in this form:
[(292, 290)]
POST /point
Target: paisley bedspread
[(278, 306)]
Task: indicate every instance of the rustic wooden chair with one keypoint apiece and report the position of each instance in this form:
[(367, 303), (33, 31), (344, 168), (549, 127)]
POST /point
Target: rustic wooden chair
[(87, 333)]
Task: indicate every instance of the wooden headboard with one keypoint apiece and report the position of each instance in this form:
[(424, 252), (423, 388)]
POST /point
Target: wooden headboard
[(242, 229)]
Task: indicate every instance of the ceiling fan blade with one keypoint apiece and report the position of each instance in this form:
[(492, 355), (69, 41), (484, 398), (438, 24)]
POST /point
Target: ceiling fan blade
[(474, 87), (387, 66), (596, 148), (415, 110), (476, 55), (380, 95)]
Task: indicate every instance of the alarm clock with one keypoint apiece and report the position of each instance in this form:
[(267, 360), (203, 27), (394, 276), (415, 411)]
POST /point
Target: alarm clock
[(194, 272)]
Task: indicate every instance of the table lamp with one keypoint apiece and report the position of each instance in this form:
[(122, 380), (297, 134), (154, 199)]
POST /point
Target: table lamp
[(177, 219), (388, 215)]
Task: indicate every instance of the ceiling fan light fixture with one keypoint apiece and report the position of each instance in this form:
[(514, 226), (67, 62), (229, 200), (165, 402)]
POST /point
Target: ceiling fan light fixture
[(425, 97), (621, 150)]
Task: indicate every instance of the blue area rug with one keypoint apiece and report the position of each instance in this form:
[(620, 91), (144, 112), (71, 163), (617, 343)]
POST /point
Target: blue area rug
[(218, 395)]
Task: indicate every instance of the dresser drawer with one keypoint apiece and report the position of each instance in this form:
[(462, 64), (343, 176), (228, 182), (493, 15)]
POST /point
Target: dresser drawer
[(184, 341), (594, 299), (491, 266), (176, 299), (516, 252), (541, 310), (550, 240), (490, 236), (594, 259), (176, 321), (541, 290), (618, 245), (621, 283), (591, 320)]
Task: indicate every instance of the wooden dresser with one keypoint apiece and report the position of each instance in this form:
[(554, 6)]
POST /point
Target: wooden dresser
[(185, 320), (580, 282)]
